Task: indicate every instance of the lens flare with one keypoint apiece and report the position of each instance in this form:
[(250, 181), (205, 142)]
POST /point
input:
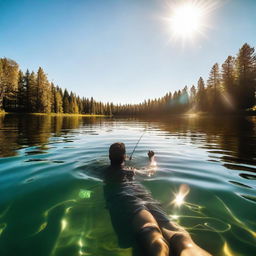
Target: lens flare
[(179, 197), (228, 101)]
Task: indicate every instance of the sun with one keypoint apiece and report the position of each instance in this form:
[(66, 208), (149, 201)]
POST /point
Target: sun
[(187, 20)]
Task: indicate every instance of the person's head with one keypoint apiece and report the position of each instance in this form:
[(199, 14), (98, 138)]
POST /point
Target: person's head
[(117, 153)]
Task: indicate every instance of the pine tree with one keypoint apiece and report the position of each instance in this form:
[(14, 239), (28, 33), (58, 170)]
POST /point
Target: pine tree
[(22, 93), (108, 109), (53, 97), (246, 62), (58, 102), (92, 106), (44, 92), (228, 74), (228, 79), (9, 71), (2, 90), (213, 89), (192, 98), (66, 107), (80, 105), (184, 98), (200, 97), (32, 93), (73, 104)]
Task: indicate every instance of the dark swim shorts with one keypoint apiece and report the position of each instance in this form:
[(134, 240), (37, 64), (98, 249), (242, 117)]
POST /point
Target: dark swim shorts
[(124, 200)]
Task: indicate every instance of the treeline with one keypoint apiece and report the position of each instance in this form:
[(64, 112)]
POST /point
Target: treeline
[(229, 88), (33, 93)]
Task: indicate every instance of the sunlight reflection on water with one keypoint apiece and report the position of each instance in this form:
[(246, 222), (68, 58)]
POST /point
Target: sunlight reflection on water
[(51, 190)]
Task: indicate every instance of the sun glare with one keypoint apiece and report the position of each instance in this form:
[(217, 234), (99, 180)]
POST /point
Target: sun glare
[(188, 19), (180, 196)]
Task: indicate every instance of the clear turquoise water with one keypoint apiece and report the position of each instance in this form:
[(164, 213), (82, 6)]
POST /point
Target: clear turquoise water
[(51, 201)]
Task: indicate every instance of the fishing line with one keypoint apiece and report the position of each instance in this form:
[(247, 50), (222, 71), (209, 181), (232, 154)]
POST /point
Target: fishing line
[(130, 158)]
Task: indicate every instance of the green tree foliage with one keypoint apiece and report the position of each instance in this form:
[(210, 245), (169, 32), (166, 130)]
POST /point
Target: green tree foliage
[(43, 93), (31, 84), (228, 74), (230, 89), (246, 62), (1, 85), (92, 106), (53, 95), (73, 107), (9, 76), (201, 95), (22, 93), (57, 105), (192, 99), (66, 107), (213, 89), (228, 80)]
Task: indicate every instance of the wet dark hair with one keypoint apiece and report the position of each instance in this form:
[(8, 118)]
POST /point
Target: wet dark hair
[(117, 153)]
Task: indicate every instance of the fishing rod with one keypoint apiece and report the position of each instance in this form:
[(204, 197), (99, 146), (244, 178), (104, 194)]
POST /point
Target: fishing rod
[(130, 158)]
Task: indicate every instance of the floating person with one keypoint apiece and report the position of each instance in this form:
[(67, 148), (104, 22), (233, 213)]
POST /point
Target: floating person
[(137, 218)]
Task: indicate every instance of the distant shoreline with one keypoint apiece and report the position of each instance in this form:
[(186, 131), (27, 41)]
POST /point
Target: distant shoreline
[(197, 114), (53, 114)]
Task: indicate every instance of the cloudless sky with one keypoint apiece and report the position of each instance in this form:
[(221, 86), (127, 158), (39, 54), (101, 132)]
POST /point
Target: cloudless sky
[(119, 50)]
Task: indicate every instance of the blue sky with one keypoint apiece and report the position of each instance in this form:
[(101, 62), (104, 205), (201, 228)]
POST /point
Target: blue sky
[(119, 50)]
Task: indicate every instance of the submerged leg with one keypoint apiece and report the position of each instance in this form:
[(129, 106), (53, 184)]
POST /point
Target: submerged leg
[(149, 235), (180, 242)]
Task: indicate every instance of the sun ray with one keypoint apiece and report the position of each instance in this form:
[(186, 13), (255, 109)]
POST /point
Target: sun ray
[(188, 20)]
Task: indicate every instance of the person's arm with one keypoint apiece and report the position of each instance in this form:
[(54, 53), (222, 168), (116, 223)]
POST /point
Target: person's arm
[(151, 156), (151, 169)]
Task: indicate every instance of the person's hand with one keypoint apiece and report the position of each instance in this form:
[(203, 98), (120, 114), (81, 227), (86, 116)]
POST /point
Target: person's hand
[(151, 153)]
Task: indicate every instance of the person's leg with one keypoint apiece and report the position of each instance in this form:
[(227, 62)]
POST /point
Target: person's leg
[(149, 234), (180, 242)]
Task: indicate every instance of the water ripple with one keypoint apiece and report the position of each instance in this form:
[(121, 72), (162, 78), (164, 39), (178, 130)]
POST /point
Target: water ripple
[(51, 187)]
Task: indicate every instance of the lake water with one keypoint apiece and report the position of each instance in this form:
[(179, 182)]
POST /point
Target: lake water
[(52, 203)]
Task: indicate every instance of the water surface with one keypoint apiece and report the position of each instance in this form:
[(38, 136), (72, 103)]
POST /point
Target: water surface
[(51, 201)]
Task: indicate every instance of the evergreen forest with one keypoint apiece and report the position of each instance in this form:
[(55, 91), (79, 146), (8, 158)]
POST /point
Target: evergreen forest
[(229, 88)]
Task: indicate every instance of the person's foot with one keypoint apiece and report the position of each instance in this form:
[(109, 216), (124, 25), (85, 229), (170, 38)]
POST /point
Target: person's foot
[(181, 244)]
